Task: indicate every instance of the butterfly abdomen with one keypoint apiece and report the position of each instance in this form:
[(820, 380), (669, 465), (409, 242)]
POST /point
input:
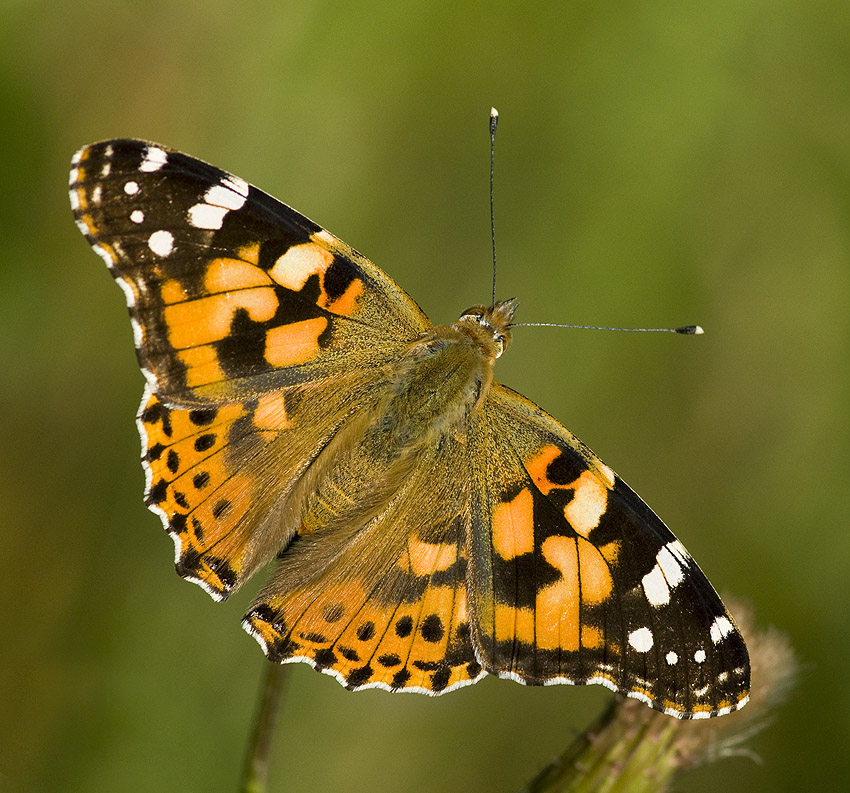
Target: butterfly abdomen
[(429, 393)]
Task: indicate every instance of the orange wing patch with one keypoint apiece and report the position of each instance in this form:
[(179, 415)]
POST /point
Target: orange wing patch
[(270, 415), (193, 323), (513, 526), (199, 490), (538, 466), (417, 641), (296, 343), (585, 580), (423, 558)]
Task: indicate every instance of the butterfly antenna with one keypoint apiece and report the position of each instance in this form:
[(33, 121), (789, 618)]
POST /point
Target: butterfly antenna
[(685, 330), (494, 121)]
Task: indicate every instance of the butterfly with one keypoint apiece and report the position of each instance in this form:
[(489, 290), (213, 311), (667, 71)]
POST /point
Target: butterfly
[(429, 525)]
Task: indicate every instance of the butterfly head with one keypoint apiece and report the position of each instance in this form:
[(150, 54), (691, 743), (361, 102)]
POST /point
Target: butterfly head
[(490, 327)]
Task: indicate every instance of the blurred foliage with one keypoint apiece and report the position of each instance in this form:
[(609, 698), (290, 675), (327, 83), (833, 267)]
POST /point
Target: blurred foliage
[(658, 163)]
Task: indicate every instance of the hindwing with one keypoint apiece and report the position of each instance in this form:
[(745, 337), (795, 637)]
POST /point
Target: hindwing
[(576, 580)]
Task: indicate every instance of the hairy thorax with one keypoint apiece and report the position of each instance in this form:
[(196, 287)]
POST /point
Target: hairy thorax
[(429, 395)]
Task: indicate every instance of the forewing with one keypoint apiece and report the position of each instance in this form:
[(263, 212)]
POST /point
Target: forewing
[(231, 293), (576, 580)]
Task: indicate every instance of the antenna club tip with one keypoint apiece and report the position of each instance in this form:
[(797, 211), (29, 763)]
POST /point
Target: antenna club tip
[(690, 330), (494, 113)]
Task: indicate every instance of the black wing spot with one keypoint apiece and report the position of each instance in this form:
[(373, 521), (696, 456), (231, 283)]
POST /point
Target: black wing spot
[(221, 509), (432, 629), (366, 631), (564, 469), (202, 416), (198, 529), (315, 638), (357, 677), (158, 491), (400, 678), (324, 658), (173, 461), (348, 653), (338, 278), (404, 627), (177, 524), (440, 678), (205, 442)]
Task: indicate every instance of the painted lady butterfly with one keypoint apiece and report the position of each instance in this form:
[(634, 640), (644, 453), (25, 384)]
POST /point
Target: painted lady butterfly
[(430, 525)]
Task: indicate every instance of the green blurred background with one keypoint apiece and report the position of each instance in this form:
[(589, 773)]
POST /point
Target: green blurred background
[(658, 163)]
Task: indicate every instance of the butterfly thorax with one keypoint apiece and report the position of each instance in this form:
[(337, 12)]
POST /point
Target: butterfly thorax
[(432, 389)]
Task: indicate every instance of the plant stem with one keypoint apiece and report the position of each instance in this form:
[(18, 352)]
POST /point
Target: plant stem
[(256, 769), (629, 749)]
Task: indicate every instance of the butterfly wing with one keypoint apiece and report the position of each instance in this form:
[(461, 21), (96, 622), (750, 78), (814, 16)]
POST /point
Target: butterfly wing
[(258, 332), (386, 605), (231, 293), (573, 579), (218, 476)]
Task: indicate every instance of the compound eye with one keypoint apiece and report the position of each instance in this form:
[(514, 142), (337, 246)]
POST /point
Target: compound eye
[(500, 344), (476, 314)]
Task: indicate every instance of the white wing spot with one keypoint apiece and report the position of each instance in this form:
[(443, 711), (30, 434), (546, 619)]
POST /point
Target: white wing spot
[(154, 159), (107, 167), (671, 658), (137, 216), (655, 587), (100, 251), (720, 628), (204, 216), (131, 188), (678, 550), (95, 194), (218, 201), (130, 297), (161, 242), (235, 183), (225, 195), (138, 333), (607, 473), (671, 567), (699, 656), (641, 639)]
